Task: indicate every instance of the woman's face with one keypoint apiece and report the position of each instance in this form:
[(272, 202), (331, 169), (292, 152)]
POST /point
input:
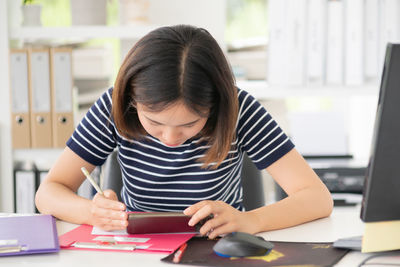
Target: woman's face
[(173, 125)]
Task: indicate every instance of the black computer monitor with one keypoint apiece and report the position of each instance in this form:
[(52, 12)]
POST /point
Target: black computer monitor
[(381, 194)]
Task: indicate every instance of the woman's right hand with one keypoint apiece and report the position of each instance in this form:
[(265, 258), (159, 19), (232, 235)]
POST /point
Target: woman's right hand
[(107, 212)]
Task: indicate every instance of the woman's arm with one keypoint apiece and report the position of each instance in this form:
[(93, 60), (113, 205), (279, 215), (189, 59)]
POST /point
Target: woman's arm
[(308, 199), (57, 196)]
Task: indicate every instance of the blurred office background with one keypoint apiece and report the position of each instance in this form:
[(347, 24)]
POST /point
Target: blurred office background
[(314, 64)]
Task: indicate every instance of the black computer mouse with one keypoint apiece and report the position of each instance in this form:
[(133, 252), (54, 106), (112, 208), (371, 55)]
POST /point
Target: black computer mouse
[(239, 244)]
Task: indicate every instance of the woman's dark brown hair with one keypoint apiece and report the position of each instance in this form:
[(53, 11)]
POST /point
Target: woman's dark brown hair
[(178, 63)]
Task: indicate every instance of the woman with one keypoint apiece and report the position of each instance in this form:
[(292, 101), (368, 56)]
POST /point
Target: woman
[(181, 128)]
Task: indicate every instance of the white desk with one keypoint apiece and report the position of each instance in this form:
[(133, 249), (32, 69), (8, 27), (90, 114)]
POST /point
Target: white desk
[(344, 222)]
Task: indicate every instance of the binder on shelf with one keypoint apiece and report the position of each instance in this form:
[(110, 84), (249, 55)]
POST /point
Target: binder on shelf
[(61, 94), (41, 175), (41, 172), (25, 186), (389, 29), (316, 14), (354, 42), (20, 109), (334, 42), (40, 101), (372, 68), (277, 42), (295, 42)]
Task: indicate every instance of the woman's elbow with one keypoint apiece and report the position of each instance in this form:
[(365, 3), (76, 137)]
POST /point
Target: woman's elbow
[(40, 200), (326, 202)]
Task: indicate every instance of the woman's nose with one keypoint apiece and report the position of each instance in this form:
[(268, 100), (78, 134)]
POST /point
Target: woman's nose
[(171, 135)]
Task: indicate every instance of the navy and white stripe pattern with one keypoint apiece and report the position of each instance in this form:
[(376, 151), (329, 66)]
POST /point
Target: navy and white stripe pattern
[(161, 178)]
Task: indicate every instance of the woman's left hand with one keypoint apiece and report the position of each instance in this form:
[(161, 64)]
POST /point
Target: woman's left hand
[(226, 219)]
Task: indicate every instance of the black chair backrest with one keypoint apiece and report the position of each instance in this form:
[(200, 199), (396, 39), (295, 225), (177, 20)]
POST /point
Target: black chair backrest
[(252, 182)]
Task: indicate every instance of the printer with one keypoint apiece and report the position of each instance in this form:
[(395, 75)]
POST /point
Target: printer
[(342, 175)]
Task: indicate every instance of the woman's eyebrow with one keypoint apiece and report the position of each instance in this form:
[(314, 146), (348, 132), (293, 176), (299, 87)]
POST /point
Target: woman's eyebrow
[(185, 124)]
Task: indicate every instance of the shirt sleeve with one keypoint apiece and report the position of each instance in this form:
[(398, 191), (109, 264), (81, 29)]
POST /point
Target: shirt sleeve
[(95, 136), (258, 133)]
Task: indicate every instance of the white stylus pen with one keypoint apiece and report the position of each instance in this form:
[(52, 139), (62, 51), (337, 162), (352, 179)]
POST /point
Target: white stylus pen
[(91, 180)]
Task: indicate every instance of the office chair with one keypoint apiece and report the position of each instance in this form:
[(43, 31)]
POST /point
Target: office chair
[(253, 192)]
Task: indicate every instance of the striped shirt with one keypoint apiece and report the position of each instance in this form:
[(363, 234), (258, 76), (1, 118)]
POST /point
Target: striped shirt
[(157, 177)]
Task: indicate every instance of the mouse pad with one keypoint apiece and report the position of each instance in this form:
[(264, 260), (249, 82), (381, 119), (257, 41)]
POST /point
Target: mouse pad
[(199, 252)]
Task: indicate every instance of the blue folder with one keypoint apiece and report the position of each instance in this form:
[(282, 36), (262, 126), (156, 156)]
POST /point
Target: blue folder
[(21, 235)]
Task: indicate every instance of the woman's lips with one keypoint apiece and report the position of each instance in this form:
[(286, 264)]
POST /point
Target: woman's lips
[(173, 144)]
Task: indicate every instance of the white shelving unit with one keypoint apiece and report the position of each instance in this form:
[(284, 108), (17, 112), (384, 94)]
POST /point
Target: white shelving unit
[(80, 32), (261, 90)]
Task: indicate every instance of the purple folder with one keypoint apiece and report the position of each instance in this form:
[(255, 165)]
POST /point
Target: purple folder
[(21, 235)]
